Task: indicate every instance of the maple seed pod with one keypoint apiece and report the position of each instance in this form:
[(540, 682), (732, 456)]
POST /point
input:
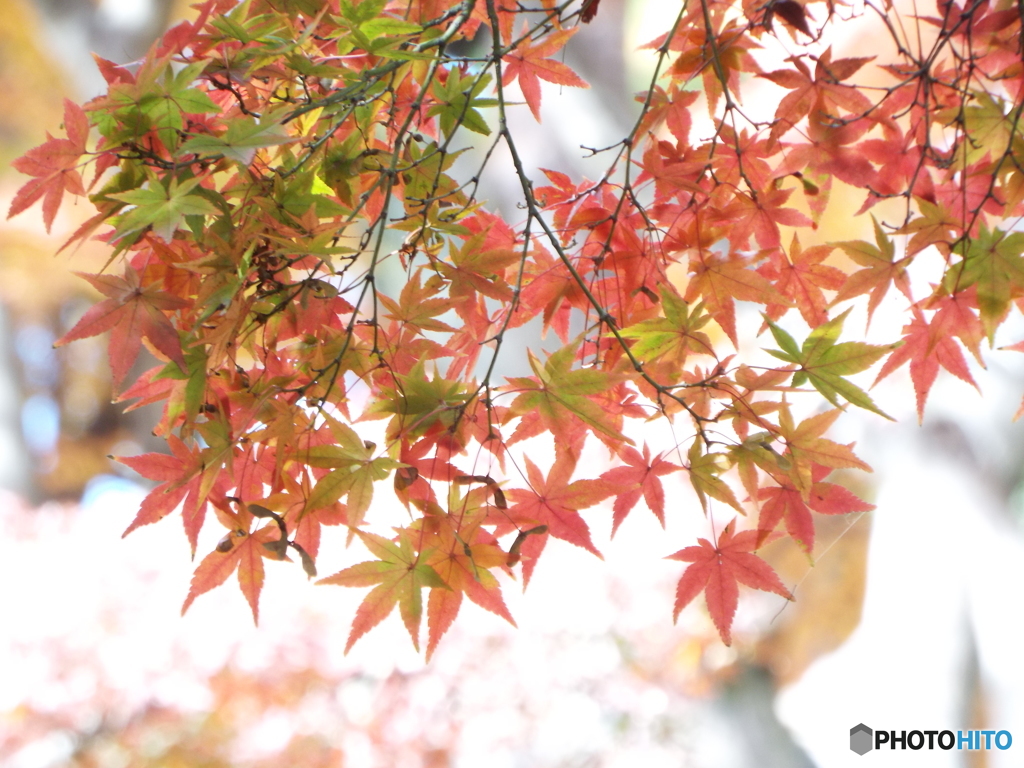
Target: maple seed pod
[(405, 476), (499, 498), (261, 511), (226, 544), (279, 547), (307, 562), (513, 551)]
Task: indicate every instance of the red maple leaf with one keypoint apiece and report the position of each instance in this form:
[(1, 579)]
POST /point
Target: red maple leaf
[(718, 570), (801, 278), (927, 346), (761, 216), (785, 502), (54, 166), (554, 501), (639, 478), (819, 96), (530, 63), (185, 476), (131, 313)]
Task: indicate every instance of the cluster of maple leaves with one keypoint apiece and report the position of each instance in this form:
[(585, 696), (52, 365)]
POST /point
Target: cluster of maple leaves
[(265, 164)]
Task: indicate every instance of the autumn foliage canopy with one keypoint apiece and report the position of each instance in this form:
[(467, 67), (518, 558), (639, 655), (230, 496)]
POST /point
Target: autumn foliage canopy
[(265, 172)]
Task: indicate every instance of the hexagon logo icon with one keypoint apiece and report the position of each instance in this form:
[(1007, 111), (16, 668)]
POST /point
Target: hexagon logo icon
[(860, 739)]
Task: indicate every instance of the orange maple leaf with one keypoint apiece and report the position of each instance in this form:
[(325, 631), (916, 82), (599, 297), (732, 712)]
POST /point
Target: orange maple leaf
[(398, 578), (242, 550), (806, 447), (801, 278), (530, 63), (463, 559), (719, 277)]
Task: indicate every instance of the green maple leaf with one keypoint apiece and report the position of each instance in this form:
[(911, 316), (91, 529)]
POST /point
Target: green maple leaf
[(355, 470), (419, 404), (678, 332), (560, 393), (991, 261), (704, 470), (397, 578), (824, 363), (157, 101), (163, 208), (458, 99), (240, 141)]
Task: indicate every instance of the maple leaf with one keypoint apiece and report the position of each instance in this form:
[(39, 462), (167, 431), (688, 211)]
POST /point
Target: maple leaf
[(704, 469), (805, 447), (926, 346), (243, 550), (817, 96), (163, 208), (761, 216), (54, 166), (722, 277), (881, 269), (530, 63), (784, 502), (672, 336), (718, 570), (239, 142), (185, 475), (555, 502), (131, 313), (157, 100), (417, 304), (464, 553), (994, 265), (353, 467), (458, 99), (902, 162), (476, 268), (801, 278), (560, 397), (640, 478), (397, 578), (421, 406), (824, 363), (935, 226)]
